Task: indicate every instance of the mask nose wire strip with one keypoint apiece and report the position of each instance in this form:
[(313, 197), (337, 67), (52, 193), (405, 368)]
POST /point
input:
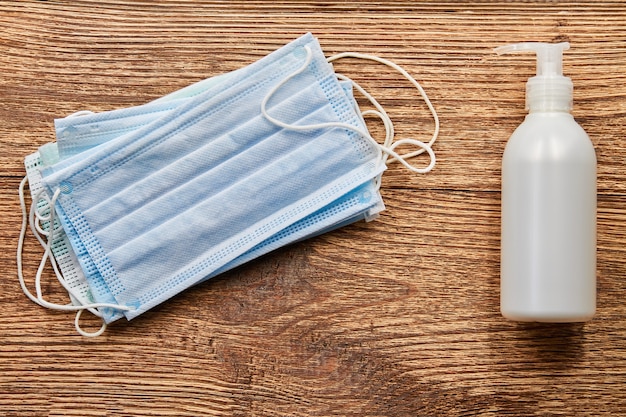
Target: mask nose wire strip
[(410, 78), (388, 150), (38, 299)]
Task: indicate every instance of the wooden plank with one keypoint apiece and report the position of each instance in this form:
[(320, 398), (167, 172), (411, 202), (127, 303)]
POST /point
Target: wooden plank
[(397, 317)]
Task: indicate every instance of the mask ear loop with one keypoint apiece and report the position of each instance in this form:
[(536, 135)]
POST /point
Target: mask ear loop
[(387, 122), (380, 113), (382, 149), (35, 220), (413, 81), (38, 299)]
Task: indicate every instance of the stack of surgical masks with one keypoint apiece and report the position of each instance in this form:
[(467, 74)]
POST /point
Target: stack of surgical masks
[(135, 205)]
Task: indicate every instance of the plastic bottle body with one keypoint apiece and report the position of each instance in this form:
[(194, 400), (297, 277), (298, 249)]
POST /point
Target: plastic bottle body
[(548, 241)]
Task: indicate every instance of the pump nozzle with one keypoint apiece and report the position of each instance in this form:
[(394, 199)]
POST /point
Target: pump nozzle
[(549, 90), (549, 55)]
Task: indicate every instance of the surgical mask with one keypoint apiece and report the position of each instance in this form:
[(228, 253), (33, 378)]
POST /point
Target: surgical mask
[(86, 129), (140, 205), (362, 203), (292, 231)]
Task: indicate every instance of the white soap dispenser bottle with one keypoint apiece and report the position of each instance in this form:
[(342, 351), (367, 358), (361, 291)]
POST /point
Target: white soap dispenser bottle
[(549, 199)]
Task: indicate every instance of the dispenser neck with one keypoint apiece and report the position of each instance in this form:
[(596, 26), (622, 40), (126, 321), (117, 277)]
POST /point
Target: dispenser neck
[(549, 94)]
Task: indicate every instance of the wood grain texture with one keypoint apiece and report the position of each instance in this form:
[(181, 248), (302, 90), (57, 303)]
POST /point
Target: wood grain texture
[(397, 317)]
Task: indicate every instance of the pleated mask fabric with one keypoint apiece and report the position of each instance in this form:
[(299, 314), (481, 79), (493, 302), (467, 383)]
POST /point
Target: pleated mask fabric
[(75, 135), (164, 207), (85, 130)]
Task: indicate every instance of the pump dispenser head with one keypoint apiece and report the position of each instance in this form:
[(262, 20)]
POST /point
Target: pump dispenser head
[(549, 90)]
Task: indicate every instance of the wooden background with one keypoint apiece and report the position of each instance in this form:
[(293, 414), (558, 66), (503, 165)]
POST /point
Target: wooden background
[(398, 317)]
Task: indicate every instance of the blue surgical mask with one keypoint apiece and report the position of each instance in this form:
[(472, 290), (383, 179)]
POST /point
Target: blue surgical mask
[(85, 130), (78, 136), (141, 203)]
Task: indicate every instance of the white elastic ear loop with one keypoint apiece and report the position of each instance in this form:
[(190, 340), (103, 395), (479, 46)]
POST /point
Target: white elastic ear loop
[(84, 333), (34, 219), (408, 77), (382, 115), (340, 125), (387, 123), (20, 244), (389, 129), (47, 255), (379, 112)]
